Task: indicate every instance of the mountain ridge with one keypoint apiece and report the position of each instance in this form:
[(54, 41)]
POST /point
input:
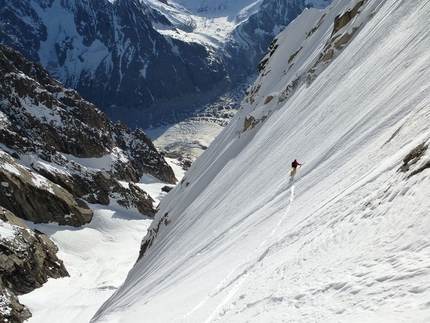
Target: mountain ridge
[(133, 62)]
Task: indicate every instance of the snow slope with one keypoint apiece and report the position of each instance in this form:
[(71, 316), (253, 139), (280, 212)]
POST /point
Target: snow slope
[(346, 239), (97, 256)]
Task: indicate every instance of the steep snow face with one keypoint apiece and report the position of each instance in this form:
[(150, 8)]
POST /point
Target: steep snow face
[(344, 240)]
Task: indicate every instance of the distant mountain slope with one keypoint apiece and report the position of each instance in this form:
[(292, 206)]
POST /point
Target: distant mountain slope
[(346, 239), (145, 66)]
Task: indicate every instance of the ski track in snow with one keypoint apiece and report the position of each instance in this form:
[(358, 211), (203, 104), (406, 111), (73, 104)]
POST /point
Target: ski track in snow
[(252, 260)]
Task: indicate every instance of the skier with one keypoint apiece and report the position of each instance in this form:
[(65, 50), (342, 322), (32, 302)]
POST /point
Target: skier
[(294, 164)]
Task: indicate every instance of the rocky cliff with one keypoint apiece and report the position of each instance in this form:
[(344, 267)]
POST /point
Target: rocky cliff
[(27, 260), (58, 154), (62, 148)]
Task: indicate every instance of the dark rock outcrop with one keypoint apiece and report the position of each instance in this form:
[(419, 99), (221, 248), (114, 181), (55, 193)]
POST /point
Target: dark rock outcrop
[(345, 18), (11, 310), (33, 198), (412, 158), (27, 260), (134, 196)]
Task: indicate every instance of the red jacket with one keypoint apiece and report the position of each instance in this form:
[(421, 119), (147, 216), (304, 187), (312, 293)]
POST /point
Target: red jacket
[(295, 163)]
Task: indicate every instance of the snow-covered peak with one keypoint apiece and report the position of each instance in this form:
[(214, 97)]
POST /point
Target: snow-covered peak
[(203, 21), (345, 239)]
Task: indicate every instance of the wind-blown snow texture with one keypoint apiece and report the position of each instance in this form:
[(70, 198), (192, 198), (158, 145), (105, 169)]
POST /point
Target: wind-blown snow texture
[(346, 239)]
